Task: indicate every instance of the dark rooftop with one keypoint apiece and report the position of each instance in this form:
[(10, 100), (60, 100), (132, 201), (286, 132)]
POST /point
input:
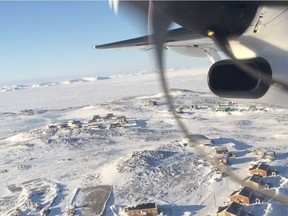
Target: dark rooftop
[(256, 178), (234, 208), (263, 166), (143, 206), (221, 208), (243, 191)]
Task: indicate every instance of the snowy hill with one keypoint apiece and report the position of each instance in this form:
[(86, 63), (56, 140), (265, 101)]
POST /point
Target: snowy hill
[(51, 146)]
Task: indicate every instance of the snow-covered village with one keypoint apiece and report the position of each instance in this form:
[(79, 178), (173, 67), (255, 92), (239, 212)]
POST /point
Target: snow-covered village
[(97, 152)]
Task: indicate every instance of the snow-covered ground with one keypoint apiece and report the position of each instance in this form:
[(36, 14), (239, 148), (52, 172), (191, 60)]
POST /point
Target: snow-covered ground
[(144, 159)]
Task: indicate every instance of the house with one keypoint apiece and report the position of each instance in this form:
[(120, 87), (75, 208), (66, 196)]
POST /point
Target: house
[(254, 181), (217, 172), (75, 124), (122, 120), (179, 110), (252, 108), (152, 103), (193, 107), (108, 116), (221, 159), (148, 209), (243, 196), (221, 150), (95, 118), (196, 139), (262, 169), (232, 155), (233, 209), (265, 153), (53, 127), (63, 126)]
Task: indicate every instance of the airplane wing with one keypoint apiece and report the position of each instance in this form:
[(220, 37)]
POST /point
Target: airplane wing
[(179, 40)]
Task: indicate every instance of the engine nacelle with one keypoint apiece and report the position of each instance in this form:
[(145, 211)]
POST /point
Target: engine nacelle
[(226, 79)]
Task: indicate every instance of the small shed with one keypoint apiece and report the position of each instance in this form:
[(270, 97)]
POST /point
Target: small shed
[(114, 125), (223, 109), (148, 209), (233, 209), (244, 196), (262, 169), (196, 139)]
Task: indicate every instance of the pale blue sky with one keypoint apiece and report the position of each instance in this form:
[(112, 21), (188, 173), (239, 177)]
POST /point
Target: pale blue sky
[(54, 39)]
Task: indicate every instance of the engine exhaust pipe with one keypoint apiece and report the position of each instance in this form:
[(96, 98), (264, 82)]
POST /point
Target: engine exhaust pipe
[(227, 80)]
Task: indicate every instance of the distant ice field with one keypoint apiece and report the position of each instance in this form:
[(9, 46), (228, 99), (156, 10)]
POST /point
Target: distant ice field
[(85, 91)]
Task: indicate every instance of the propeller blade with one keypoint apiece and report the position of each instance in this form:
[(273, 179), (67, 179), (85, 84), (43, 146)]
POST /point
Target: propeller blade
[(158, 23)]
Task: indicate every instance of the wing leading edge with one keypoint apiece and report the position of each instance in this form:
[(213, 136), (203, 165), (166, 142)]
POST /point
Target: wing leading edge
[(179, 40), (179, 34)]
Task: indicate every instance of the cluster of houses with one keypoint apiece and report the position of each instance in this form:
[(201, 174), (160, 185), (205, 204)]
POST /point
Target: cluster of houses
[(178, 110), (108, 121), (219, 108), (248, 194), (244, 196), (219, 154), (257, 180), (72, 124), (227, 107), (97, 121)]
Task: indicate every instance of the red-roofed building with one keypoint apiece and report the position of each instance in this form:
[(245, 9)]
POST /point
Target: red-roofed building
[(244, 196), (148, 209), (262, 169)]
